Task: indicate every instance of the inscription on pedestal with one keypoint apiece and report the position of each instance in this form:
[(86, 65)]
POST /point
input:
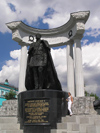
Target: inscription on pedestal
[(36, 111)]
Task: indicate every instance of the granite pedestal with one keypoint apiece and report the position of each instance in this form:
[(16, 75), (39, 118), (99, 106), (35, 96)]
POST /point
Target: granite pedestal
[(40, 110)]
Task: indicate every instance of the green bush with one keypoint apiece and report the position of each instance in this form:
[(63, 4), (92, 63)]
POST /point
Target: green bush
[(10, 95), (91, 95)]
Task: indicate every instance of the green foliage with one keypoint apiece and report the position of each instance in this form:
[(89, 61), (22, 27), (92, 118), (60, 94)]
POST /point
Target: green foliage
[(10, 95), (87, 94), (91, 95)]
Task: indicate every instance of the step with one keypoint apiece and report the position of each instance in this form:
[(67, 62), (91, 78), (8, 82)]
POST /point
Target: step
[(77, 119), (73, 132), (58, 131), (93, 116), (10, 131), (70, 126), (8, 120), (97, 128), (93, 129), (69, 119), (85, 119), (79, 124), (9, 126), (83, 127), (97, 121), (89, 120), (63, 131)]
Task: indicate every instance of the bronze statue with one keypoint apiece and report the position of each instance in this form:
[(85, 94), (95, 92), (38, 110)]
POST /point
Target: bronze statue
[(41, 73)]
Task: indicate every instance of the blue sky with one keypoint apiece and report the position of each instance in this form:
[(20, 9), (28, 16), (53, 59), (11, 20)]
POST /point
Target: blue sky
[(44, 14)]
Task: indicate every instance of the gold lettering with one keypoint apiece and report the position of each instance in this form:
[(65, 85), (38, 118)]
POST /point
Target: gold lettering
[(36, 111)]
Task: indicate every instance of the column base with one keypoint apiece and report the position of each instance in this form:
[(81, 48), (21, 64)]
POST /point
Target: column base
[(83, 106)]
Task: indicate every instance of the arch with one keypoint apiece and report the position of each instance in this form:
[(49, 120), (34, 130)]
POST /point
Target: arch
[(67, 34)]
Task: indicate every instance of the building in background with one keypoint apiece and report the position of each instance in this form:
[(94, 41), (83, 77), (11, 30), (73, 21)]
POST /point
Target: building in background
[(5, 88)]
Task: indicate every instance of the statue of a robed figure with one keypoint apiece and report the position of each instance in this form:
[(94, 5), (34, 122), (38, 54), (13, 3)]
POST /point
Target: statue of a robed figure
[(40, 72)]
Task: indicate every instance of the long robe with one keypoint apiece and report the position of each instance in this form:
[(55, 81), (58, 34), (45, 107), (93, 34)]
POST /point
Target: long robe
[(51, 80)]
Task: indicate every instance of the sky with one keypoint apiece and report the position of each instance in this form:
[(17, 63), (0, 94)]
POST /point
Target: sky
[(45, 14)]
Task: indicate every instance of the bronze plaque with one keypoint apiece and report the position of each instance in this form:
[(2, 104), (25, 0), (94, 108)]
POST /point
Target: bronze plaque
[(36, 111)]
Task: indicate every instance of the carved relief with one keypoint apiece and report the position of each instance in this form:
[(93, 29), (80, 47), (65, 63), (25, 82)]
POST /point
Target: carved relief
[(80, 27), (81, 15), (70, 33), (15, 35), (13, 25), (31, 38)]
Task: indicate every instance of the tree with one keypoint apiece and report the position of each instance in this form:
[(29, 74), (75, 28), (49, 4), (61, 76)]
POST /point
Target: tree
[(10, 95), (91, 95)]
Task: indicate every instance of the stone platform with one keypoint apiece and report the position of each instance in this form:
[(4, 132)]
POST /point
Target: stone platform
[(84, 119), (81, 106), (78, 124), (40, 110), (74, 124)]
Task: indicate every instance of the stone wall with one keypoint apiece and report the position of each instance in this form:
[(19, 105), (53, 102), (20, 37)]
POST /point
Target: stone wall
[(83, 105), (9, 108)]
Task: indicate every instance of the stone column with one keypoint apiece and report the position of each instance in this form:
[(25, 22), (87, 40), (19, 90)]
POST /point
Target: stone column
[(79, 81), (23, 62), (70, 68)]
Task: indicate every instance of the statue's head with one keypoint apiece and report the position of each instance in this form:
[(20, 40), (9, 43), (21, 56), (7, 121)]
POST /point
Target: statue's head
[(38, 36)]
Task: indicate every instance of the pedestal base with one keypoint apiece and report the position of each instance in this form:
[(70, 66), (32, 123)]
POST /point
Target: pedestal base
[(40, 110)]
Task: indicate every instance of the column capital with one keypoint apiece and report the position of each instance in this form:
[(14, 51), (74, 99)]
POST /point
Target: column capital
[(70, 42), (83, 15), (78, 37)]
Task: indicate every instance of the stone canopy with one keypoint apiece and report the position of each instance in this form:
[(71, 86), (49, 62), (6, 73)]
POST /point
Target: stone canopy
[(67, 34), (57, 36)]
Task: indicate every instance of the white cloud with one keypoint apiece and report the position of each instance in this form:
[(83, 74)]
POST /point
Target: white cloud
[(93, 32), (30, 11), (34, 9), (92, 79), (84, 41), (6, 15), (10, 70), (60, 62), (91, 66), (15, 54), (57, 19), (63, 8), (24, 10), (91, 54)]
